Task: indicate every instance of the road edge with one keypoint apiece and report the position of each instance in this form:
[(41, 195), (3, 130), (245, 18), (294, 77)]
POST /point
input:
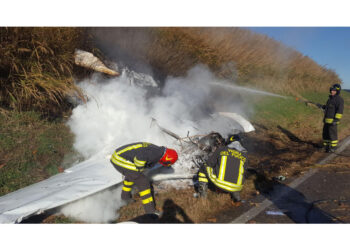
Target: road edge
[(253, 212)]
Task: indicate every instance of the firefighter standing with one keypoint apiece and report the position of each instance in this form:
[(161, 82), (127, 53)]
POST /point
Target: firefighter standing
[(225, 169), (333, 112), (131, 160)]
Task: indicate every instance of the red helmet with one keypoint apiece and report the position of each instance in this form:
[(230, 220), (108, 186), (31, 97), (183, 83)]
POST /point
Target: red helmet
[(169, 157)]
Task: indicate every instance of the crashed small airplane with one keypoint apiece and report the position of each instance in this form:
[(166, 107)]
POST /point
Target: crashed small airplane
[(93, 176), (96, 175)]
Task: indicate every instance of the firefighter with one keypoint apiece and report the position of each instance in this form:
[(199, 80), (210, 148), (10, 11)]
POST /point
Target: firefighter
[(333, 112), (224, 169), (131, 160)]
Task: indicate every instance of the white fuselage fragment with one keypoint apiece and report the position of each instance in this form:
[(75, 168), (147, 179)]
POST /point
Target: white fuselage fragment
[(82, 180), (244, 123)]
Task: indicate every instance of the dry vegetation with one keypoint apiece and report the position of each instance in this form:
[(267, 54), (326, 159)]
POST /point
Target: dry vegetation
[(233, 53), (36, 73), (36, 67), (36, 64), (179, 206)]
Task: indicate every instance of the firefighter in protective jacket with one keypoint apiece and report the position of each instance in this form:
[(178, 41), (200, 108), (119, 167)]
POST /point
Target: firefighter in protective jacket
[(131, 160), (225, 169), (333, 112)]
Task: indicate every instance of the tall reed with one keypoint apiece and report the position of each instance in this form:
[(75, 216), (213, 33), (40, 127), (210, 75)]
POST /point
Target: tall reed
[(36, 66)]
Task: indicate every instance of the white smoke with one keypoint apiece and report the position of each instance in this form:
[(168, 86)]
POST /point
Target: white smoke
[(98, 208), (118, 113)]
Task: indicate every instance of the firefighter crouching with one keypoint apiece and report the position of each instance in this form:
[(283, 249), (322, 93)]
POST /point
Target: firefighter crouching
[(131, 160), (224, 169), (333, 112)]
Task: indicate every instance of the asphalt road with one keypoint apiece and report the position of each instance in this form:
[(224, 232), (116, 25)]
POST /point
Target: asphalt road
[(320, 196), (323, 198)]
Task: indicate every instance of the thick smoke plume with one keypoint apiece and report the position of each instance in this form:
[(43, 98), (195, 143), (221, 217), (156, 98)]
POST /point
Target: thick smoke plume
[(118, 113)]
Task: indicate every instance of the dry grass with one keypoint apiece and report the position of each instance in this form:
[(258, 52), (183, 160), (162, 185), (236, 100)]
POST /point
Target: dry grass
[(232, 53), (179, 206), (258, 60), (36, 66)]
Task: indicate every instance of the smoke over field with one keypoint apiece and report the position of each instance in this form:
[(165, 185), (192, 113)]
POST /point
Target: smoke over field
[(119, 113)]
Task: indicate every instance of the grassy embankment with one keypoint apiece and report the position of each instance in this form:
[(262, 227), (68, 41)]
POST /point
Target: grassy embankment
[(305, 121), (36, 74), (38, 68), (32, 149)]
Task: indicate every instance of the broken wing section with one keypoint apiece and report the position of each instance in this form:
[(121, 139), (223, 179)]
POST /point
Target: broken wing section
[(77, 182)]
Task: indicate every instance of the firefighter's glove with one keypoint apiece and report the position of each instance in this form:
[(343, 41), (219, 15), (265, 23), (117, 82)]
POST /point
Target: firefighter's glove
[(198, 161), (335, 123), (320, 106)]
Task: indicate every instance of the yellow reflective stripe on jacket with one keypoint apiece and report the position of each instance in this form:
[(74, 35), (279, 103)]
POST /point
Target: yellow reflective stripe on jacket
[(148, 200), (145, 192), (241, 171), (212, 175), (226, 187), (338, 116), (228, 183), (129, 148), (128, 183), (121, 159), (202, 179), (231, 187), (122, 164), (139, 163), (222, 167), (328, 120), (127, 189), (201, 174)]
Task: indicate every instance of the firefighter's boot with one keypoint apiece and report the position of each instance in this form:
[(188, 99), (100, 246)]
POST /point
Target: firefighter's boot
[(332, 149), (203, 189), (156, 215), (235, 197)]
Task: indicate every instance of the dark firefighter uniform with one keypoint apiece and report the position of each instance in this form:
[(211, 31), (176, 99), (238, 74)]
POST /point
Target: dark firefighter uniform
[(131, 160), (225, 169), (333, 112)]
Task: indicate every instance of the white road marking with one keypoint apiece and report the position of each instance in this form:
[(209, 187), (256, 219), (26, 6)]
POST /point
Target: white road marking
[(250, 214)]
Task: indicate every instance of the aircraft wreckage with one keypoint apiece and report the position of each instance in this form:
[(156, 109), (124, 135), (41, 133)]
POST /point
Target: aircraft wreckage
[(92, 176), (95, 175)]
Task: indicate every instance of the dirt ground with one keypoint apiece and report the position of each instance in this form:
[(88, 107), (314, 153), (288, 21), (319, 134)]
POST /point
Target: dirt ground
[(272, 153)]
